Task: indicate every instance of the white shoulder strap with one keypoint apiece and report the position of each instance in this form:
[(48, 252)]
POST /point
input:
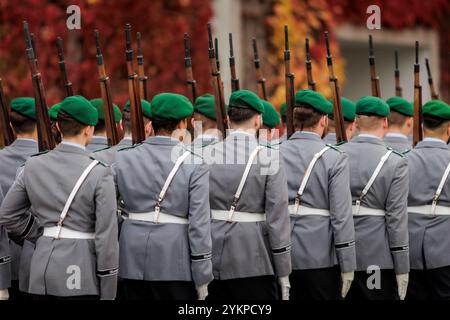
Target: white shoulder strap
[(439, 189), (167, 183), (372, 179), (72, 195), (237, 195), (306, 176)]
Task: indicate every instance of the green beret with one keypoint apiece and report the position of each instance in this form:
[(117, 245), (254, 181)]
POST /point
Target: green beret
[(271, 118), (437, 108), (80, 109), (283, 112), (400, 105), (26, 106), (314, 99), (53, 111), (205, 105), (98, 104), (246, 99), (146, 108), (372, 106), (348, 108), (171, 106)]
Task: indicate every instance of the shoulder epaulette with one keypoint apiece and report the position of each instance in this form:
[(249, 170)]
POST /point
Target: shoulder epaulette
[(130, 147), (40, 153), (335, 147), (396, 152), (340, 143), (404, 152), (102, 149), (100, 162), (191, 149)]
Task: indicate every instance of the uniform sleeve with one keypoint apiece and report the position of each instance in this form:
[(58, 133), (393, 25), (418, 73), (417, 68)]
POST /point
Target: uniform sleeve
[(341, 216), (5, 256), (106, 240), (199, 229), (15, 215), (397, 217), (277, 217)]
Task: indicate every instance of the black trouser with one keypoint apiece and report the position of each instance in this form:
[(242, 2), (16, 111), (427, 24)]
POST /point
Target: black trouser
[(15, 294), (429, 284), (253, 288), (159, 290), (315, 284), (54, 298), (387, 289)]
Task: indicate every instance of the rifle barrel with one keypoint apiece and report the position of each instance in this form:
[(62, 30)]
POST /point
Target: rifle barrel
[(375, 80), (234, 79), (433, 93), (289, 78), (143, 79), (7, 135), (311, 82), (417, 126), (62, 67), (260, 80), (398, 88)]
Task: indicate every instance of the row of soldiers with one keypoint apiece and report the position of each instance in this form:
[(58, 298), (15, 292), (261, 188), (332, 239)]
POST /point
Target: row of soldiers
[(295, 217)]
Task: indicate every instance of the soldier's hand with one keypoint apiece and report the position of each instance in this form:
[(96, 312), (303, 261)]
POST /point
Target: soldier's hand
[(4, 294), (402, 284), (285, 287), (202, 291), (347, 279)]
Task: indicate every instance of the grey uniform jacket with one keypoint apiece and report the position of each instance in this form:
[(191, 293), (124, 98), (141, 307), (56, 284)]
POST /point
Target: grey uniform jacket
[(97, 143), (109, 155), (164, 251), (45, 184), (320, 241), (330, 138), (5, 256), (428, 234), (398, 143), (249, 249), (11, 158), (380, 240)]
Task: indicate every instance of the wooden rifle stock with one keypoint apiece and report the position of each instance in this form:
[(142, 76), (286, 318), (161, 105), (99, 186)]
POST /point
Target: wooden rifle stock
[(433, 93), (137, 121), (417, 127), (234, 79), (190, 81), (259, 75), (398, 88), (221, 117), (375, 80), (46, 140), (107, 105), (311, 82), (143, 79), (289, 78), (6, 132), (62, 67), (338, 116)]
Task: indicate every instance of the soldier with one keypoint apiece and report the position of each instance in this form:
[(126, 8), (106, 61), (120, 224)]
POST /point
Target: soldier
[(379, 187), (400, 124), (204, 122), (53, 114), (5, 256), (348, 109), (250, 221), (323, 235), (99, 140), (73, 198), (271, 119), (23, 122), (108, 155), (165, 244), (429, 206)]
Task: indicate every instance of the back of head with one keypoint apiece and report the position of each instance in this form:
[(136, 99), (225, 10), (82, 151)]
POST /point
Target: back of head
[(310, 108), (244, 105), (372, 113), (23, 115), (436, 118), (75, 114), (168, 110)]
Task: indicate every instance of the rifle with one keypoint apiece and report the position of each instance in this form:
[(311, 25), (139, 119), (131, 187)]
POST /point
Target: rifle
[(311, 82), (398, 88), (289, 76), (234, 78), (434, 94), (107, 105), (259, 76), (6, 132), (375, 80), (221, 117), (46, 140), (190, 81), (338, 115), (62, 67), (417, 127), (143, 79), (137, 121)]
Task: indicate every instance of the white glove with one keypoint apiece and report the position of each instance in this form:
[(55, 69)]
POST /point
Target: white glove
[(202, 291), (4, 294), (347, 279), (285, 287), (402, 284)]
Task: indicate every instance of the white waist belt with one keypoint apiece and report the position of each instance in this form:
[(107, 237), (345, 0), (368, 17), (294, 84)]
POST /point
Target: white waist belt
[(163, 218), (66, 233), (238, 216), (307, 211), (427, 210), (364, 211)]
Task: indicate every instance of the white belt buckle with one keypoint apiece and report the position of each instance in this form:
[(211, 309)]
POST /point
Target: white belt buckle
[(156, 216), (357, 206)]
